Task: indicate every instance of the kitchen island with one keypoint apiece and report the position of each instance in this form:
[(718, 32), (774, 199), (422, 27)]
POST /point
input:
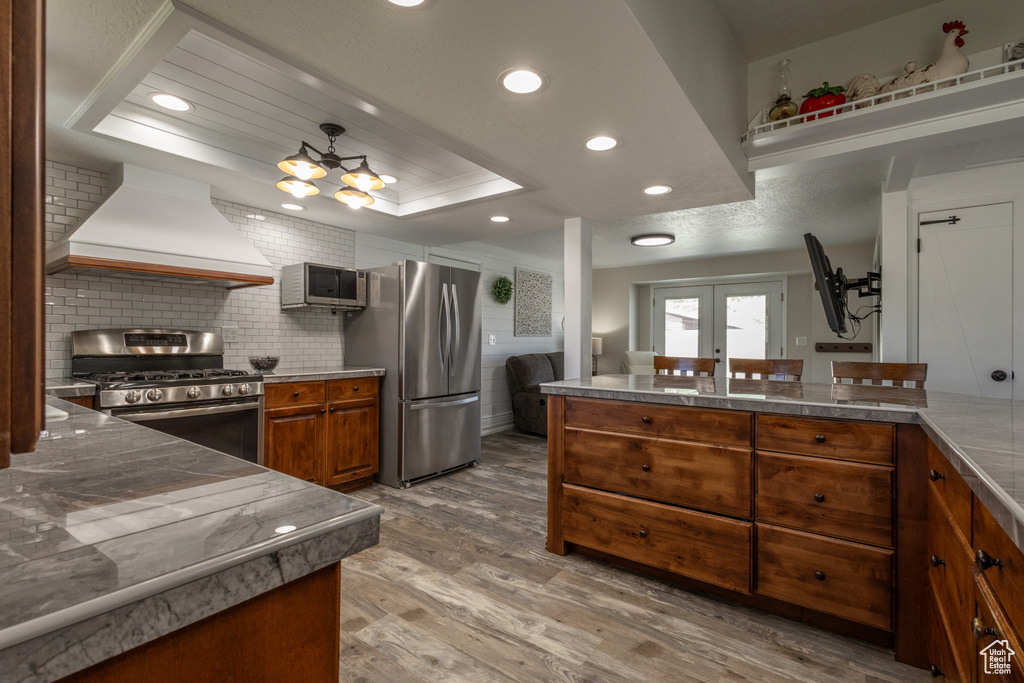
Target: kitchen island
[(122, 548), (876, 512)]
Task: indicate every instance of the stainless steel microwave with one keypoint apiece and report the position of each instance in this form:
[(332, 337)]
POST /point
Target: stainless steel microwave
[(314, 284)]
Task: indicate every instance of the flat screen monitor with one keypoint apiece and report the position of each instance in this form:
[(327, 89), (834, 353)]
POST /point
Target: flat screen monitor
[(829, 284)]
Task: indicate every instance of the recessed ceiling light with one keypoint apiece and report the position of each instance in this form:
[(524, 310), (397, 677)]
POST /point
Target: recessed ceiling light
[(172, 102), (601, 143), (652, 240), (293, 207), (287, 528), (657, 189), (388, 179), (500, 219), (405, 3), (256, 216), (522, 81)]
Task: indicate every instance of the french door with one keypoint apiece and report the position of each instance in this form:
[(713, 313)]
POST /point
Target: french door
[(721, 321)]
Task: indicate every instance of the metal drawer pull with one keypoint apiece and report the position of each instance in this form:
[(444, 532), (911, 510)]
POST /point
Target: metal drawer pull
[(819, 497), (820, 576), (646, 468), (936, 671), (634, 444), (355, 388), (296, 394), (646, 420), (323, 410), (936, 562), (820, 438), (980, 630), (985, 560), (935, 476), (643, 533)]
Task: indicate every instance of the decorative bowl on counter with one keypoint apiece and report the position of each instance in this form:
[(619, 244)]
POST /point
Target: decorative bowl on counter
[(264, 363)]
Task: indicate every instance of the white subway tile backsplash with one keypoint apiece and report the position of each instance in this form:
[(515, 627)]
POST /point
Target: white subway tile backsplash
[(305, 340)]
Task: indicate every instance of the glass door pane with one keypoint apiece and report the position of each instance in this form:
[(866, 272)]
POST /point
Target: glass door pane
[(748, 321), (682, 321)]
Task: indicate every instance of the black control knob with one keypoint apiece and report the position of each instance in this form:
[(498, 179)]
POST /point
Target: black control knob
[(999, 375)]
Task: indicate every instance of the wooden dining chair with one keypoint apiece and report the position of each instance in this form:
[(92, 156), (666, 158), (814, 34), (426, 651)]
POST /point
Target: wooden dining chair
[(766, 368), (897, 374), (700, 367)]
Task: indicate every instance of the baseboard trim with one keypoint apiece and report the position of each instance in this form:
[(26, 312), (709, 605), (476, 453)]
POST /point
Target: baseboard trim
[(496, 423)]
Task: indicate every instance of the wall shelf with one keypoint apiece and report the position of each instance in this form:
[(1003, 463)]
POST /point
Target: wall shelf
[(971, 106)]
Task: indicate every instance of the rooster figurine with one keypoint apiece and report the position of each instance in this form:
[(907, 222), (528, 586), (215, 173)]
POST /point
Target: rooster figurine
[(951, 62)]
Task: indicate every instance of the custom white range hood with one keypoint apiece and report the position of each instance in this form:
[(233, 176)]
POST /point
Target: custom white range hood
[(161, 225)]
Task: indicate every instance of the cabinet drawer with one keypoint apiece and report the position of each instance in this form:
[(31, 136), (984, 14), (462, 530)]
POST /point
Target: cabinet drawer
[(991, 626), (850, 580), (843, 499), (951, 488), (292, 394), (341, 389), (726, 427), (941, 658), (694, 544), (714, 478), (949, 573), (861, 441), (1007, 577)]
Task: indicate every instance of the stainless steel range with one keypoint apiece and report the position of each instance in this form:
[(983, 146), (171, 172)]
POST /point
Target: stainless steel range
[(173, 381)]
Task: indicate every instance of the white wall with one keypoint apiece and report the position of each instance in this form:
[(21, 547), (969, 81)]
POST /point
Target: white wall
[(613, 288), (371, 251), (884, 47), (87, 299)]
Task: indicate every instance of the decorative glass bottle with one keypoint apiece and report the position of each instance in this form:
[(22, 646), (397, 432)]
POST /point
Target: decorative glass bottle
[(784, 105)]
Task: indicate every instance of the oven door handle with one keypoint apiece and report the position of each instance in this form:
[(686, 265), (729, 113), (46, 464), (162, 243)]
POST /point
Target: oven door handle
[(153, 415)]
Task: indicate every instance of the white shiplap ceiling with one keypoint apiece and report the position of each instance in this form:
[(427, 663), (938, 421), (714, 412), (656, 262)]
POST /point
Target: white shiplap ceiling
[(417, 90)]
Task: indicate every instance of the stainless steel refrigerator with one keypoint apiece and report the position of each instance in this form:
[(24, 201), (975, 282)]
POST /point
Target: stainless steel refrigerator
[(422, 323)]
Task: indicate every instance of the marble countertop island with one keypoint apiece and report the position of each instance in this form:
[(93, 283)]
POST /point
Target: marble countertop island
[(113, 535), (978, 435)]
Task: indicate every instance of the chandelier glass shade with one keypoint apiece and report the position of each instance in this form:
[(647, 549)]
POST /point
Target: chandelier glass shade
[(302, 168)]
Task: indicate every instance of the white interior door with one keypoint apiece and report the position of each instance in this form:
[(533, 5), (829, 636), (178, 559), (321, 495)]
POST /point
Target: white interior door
[(965, 300), (743, 320)]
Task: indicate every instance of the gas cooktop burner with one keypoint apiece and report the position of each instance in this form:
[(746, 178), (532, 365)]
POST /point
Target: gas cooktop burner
[(156, 375)]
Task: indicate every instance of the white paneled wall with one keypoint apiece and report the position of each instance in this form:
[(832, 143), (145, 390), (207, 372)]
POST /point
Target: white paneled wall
[(374, 251), (83, 299)]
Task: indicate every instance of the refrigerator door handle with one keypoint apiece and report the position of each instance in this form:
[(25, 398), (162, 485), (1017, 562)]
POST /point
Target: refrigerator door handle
[(444, 404), (442, 342), (458, 333)]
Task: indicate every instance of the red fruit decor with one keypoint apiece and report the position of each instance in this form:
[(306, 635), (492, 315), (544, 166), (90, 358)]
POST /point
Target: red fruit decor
[(823, 98)]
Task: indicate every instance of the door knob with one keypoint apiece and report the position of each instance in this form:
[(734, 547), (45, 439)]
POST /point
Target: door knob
[(999, 375)]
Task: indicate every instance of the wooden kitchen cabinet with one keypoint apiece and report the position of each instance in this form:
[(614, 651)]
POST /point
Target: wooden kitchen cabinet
[(22, 60), (789, 514), (975, 574), (323, 432)]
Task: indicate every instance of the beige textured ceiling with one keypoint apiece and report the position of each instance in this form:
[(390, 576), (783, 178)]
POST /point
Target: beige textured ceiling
[(437, 67)]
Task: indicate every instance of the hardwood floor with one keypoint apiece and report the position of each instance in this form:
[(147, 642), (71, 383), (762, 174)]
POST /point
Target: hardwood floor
[(461, 589)]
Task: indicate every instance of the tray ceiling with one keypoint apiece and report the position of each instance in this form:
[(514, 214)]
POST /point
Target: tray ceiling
[(252, 108)]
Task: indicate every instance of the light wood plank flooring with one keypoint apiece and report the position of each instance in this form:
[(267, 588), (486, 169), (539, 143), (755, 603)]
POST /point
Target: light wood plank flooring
[(461, 589)]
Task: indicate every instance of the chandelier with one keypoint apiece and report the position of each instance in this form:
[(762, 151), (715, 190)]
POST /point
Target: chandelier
[(302, 169)]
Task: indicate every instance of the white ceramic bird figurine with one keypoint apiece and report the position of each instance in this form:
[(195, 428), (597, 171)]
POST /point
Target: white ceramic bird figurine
[(951, 62)]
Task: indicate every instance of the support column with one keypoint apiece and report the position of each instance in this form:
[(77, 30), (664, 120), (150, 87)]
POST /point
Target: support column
[(578, 298)]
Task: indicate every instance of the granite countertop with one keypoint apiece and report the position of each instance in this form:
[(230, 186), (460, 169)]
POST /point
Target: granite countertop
[(68, 387), (977, 434), (112, 534), (321, 374)]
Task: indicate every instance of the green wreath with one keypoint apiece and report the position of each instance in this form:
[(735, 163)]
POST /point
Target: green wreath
[(502, 290)]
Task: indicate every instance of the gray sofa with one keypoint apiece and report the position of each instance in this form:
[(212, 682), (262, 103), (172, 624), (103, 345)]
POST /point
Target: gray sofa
[(525, 373)]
